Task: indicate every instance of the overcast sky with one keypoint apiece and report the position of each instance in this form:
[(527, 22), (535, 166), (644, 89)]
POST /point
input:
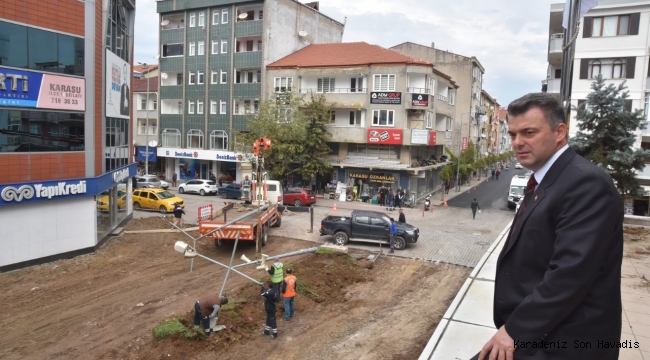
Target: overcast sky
[(509, 37)]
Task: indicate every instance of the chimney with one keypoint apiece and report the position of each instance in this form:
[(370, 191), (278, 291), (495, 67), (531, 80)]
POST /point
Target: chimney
[(433, 45)]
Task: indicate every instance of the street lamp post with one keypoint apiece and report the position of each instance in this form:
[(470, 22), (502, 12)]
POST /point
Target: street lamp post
[(146, 129), (460, 144)]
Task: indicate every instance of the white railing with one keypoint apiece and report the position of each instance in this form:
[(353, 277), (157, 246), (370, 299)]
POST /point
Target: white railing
[(335, 91), (553, 86), (417, 90), (441, 98), (556, 43)]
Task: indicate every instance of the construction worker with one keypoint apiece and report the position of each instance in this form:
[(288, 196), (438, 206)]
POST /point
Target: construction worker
[(288, 294), (206, 308), (270, 298), (178, 215), (276, 275), (393, 233)]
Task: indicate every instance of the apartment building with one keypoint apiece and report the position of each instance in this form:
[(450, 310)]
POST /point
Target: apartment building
[(145, 123), (65, 164), (391, 112), (489, 128), (467, 72), (212, 64), (504, 140), (614, 42)]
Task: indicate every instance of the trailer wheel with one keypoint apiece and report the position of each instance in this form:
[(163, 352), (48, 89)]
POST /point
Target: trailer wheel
[(341, 238), (400, 243), (278, 222)]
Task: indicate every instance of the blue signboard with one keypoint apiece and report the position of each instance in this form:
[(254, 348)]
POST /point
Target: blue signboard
[(141, 153), (28, 89), (24, 193), (19, 88)]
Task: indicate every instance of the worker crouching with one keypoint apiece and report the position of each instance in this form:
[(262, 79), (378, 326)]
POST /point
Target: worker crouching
[(270, 298), (207, 308)]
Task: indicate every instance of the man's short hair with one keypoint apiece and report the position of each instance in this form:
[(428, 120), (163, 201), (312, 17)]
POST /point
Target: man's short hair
[(289, 271), (547, 103), (391, 219)]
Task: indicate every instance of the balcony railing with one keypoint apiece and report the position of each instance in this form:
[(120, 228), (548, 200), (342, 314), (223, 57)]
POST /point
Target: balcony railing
[(556, 42), (441, 98), (417, 90), (553, 85), (336, 91), (646, 131)]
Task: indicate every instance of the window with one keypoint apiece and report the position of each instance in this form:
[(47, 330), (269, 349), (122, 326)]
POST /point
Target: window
[(356, 85), (222, 107), (383, 83), (201, 77), (213, 107), (450, 124), (283, 84), (202, 19), (199, 106), (224, 77), (179, 79), (218, 140), (429, 122), (192, 20), (192, 48), (610, 26), (432, 86), (617, 69), (284, 115), (260, 14), (190, 107), (332, 116), (354, 119), (325, 85), (452, 97), (201, 49), (215, 17), (614, 68), (195, 139), (224, 46), (154, 102), (383, 117), (142, 127), (169, 50), (594, 69), (215, 46), (191, 79), (171, 138), (224, 16), (214, 77), (143, 103)]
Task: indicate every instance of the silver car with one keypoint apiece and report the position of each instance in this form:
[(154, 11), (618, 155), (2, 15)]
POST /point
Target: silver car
[(148, 181), (198, 186)]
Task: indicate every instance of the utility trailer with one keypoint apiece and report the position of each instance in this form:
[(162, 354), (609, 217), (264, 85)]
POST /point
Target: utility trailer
[(253, 227)]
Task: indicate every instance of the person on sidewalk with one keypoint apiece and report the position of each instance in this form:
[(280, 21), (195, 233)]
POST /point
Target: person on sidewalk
[(270, 298), (558, 276), (402, 217), (391, 236), (207, 308), (174, 177), (475, 207), (390, 198), (277, 273), (497, 174), (447, 186), (178, 215), (288, 294), (493, 172)]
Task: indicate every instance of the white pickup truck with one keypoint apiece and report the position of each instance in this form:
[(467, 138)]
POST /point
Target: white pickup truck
[(517, 188)]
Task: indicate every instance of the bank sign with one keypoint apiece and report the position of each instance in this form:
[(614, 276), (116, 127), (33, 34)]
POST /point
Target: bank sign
[(29, 89), (200, 154)]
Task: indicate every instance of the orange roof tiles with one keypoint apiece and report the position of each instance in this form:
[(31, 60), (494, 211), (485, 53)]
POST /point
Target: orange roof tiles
[(345, 54)]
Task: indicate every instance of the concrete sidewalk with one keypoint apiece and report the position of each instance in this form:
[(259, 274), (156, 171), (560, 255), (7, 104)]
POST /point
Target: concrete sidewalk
[(467, 325)]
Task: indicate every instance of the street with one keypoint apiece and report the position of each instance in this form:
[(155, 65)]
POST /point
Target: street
[(490, 194)]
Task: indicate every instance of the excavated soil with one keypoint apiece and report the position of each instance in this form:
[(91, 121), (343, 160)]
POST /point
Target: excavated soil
[(105, 305)]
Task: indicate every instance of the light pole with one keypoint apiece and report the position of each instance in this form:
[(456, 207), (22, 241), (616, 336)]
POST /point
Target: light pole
[(460, 144), (146, 129)]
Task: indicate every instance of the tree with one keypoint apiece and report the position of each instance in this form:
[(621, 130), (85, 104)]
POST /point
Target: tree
[(607, 133), (314, 151)]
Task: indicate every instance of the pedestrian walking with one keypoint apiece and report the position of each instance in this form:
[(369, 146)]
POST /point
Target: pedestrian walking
[(390, 198), (174, 177), (475, 207), (277, 273), (270, 298), (493, 172), (207, 308), (393, 233), (497, 174), (447, 186), (288, 294), (178, 215), (402, 217)]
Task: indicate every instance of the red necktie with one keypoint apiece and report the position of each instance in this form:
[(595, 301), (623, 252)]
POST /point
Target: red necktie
[(530, 189)]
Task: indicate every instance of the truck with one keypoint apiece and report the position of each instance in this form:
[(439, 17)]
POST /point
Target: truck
[(367, 226), (247, 227), (518, 186)]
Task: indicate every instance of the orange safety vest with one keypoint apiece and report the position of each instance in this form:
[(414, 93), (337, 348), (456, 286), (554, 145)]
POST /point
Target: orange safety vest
[(291, 286)]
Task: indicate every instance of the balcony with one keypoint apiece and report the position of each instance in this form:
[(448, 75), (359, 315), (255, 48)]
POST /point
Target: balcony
[(172, 36), (555, 44), (416, 90), (171, 63), (248, 60), (252, 90), (352, 134), (142, 114), (553, 86), (444, 108), (645, 173), (141, 140), (442, 98), (171, 92), (248, 28), (346, 98)]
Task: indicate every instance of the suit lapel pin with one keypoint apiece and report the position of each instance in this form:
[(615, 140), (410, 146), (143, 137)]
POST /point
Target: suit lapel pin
[(535, 197)]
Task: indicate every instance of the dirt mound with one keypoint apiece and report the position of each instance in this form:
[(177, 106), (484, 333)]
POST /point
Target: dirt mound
[(322, 279)]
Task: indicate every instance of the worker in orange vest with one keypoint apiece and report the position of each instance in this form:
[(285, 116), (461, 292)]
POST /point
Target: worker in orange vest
[(288, 294)]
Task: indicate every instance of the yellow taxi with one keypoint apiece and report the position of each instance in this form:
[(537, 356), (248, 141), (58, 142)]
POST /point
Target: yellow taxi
[(103, 203), (155, 199)]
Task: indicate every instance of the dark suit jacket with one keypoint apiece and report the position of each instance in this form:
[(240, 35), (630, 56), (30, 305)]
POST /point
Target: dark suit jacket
[(125, 100), (558, 277)]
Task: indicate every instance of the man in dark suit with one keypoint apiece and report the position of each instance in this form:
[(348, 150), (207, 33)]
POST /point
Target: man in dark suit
[(558, 276), (124, 93)]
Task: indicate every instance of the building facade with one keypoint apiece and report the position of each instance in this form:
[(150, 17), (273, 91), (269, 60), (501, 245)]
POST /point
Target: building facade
[(467, 72), (391, 113), (212, 66), (145, 123), (614, 41), (488, 145), (65, 127)]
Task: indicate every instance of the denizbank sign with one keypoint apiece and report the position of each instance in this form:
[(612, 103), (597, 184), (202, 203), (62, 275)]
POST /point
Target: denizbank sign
[(200, 154)]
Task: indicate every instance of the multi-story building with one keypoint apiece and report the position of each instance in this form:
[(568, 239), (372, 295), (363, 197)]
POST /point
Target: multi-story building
[(467, 72), (145, 134), (489, 126), (391, 112), (614, 42), (504, 140), (65, 135), (213, 58)]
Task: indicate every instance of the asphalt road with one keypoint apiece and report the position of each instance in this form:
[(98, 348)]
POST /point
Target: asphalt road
[(491, 194)]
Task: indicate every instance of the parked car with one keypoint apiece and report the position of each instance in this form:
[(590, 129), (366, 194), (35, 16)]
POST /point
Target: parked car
[(103, 203), (298, 197), (231, 190), (156, 199), (518, 166), (148, 181), (198, 186), (164, 184), (367, 226)]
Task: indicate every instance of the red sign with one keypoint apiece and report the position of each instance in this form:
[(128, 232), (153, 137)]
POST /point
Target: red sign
[(205, 212), (464, 143), (432, 138), (385, 136)]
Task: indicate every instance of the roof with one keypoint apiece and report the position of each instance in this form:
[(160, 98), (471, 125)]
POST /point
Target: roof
[(142, 70), (345, 54), (140, 85), (488, 96), (473, 58)]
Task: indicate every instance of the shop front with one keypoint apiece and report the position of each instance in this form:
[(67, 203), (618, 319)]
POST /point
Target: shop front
[(200, 164)]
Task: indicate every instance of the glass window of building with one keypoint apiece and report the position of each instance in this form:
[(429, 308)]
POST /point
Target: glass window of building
[(171, 138), (224, 16), (213, 107), (218, 140), (215, 17), (224, 46), (192, 20), (223, 107), (201, 48), (215, 47), (202, 18), (199, 106), (201, 77), (195, 139), (190, 107), (224, 77), (192, 48)]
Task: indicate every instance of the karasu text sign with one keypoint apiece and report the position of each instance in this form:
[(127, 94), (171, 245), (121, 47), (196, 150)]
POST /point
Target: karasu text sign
[(30, 89)]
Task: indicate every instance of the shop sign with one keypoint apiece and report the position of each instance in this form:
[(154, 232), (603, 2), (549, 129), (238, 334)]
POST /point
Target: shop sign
[(120, 175), (432, 138), (386, 98), (118, 75), (29, 89), (142, 151), (464, 143), (419, 100), (200, 154), (385, 136), (419, 136), (374, 177)]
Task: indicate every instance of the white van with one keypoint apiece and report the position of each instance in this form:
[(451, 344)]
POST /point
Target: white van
[(518, 186), (274, 194)]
